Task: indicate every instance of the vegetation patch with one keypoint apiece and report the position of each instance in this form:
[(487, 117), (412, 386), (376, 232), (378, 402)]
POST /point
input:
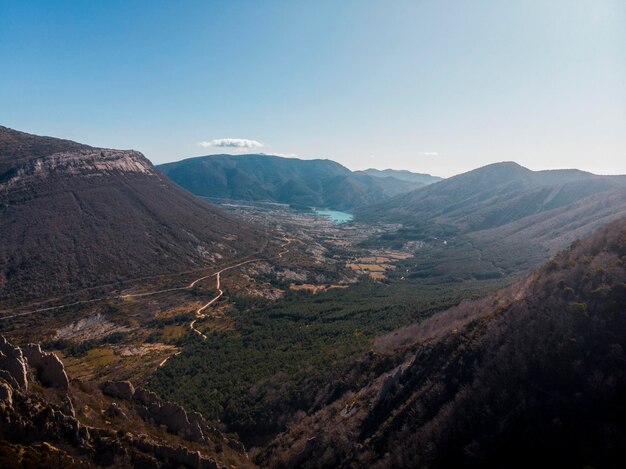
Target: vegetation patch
[(295, 355)]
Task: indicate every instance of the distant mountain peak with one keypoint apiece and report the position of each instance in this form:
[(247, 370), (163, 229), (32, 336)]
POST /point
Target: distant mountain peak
[(503, 167), (260, 177), (402, 174)]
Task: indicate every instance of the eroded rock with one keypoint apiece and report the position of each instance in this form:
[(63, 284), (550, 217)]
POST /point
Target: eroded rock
[(176, 455), (13, 365), (119, 389), (28, 417), (173, 416), (50, 369), (6, 394)]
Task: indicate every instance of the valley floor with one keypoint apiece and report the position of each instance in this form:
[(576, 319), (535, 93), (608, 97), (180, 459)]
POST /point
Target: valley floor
[(257, 343)]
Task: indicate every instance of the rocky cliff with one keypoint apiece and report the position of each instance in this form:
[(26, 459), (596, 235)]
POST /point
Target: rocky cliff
[(46, 421), (92, 162)]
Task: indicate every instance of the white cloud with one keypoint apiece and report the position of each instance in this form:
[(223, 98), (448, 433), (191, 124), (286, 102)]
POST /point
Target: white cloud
[(430, 153), (231, 142)]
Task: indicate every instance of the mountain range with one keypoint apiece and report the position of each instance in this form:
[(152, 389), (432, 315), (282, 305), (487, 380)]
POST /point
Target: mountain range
[(74, 216), (402, 174), (493, 196), (508, 207), (311, 183)]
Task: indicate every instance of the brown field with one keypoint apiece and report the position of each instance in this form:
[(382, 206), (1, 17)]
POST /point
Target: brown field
[(377, 263), (370, 267), (399, 255), (377, 275), (314, 288), (375, 260), (216, 324)]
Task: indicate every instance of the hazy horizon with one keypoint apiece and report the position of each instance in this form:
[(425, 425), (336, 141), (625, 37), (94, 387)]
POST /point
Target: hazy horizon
[(382, 168), (438, 88)]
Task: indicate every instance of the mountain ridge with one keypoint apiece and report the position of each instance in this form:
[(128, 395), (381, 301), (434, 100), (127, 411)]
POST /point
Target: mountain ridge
[(260, 177), (492, 196), (402, 174), (81, 216)]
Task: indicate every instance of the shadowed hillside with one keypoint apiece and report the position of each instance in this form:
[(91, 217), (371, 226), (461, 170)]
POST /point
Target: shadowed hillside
[(532, 375), (73, 216)]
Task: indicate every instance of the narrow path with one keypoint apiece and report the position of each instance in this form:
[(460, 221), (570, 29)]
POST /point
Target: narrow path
[(130, 280), (165, 360), (139, 295), (199, 313)]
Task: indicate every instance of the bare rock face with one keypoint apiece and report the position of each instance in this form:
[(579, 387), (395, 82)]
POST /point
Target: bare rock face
[(119, 389), (50, 369), (145, 397), (391, 383), (12, 365), (173, 416), (68, 406), (88, 162), (179, 456), (6, 394)]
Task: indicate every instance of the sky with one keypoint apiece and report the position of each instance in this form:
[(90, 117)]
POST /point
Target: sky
[(430, 86)]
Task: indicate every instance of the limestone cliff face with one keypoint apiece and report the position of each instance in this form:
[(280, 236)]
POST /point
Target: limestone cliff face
[(12, 365), (49, 368), (91, 162)]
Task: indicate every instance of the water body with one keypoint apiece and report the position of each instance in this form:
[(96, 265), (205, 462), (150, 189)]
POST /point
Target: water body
[(335, 216)]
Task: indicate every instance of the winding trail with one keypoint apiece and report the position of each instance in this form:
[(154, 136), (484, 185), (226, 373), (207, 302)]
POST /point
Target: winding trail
[(156, 292), (199, 311)]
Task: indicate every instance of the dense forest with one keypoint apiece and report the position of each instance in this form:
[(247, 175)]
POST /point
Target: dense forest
[(296, 355)]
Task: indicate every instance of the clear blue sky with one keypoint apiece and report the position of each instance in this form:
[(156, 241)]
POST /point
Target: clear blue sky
[(433, 86)]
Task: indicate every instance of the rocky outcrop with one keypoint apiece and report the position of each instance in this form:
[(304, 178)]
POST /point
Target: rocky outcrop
[(12, 365), (118, 389), (6, 394), (152, 408), (114, 411), (50, 370), (390, 384), (173, 416), (15, 363), (42, 426), (176, 455), (88, 162), (28, 419)]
